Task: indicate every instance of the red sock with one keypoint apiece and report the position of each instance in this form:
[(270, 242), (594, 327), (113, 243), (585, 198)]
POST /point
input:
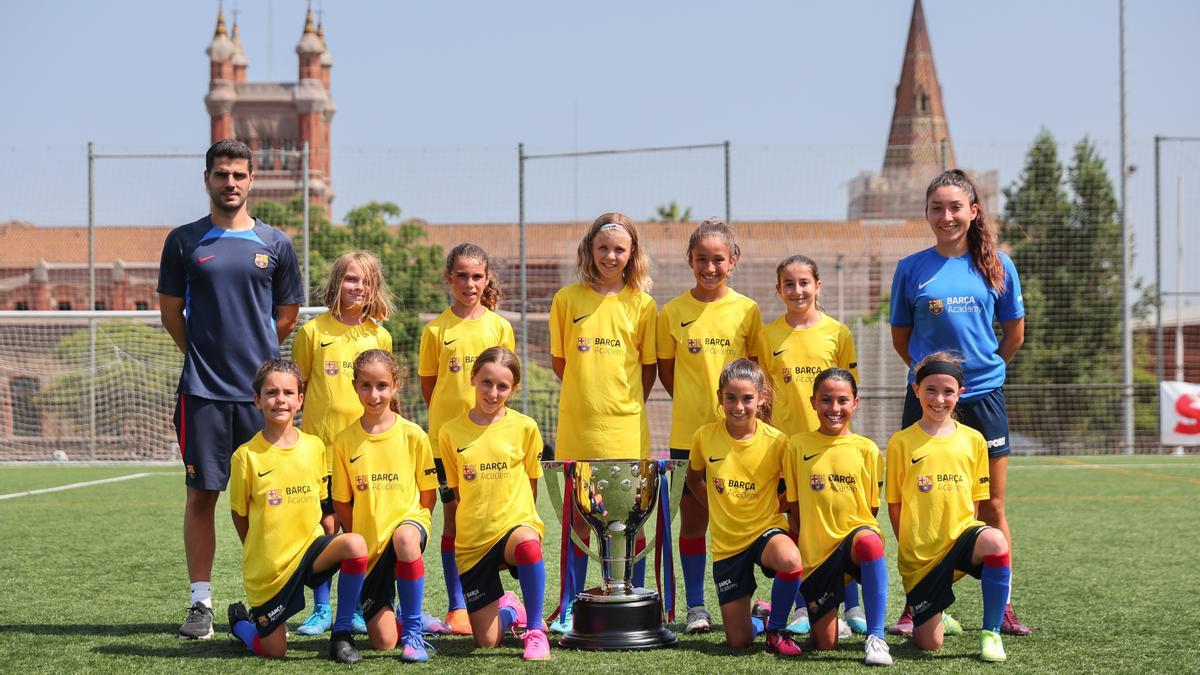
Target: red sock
[(414, 569), (447, 544), (1002, 560), (868, 547), (528, 552), (354, 565), (691, 546)]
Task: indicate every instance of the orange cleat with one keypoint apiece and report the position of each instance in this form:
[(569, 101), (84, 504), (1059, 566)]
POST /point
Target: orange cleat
[(458, 622)]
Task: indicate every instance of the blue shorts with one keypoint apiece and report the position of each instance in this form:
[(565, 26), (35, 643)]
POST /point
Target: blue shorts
[(734, 576), (987, 414), (208, 432)]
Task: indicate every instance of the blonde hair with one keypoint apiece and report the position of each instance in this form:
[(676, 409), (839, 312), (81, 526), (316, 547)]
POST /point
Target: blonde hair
[(714, 227), (501, 355), (637, 271), (378, 304), (398, 371), (745, 369), (490, 297)]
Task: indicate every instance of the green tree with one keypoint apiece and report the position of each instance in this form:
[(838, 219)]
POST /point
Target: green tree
[(1066, 244), (671, 213)]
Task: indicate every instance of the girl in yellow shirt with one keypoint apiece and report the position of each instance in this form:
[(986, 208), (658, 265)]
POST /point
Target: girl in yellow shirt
[(449, 345), (359, 302)]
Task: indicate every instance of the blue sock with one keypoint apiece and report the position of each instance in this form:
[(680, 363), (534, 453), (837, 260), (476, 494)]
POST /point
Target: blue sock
[(410, 589), (639, 573), (580, 562), (531, 573), (758, 625), (350, 581), (995, 581), (800, 601), (247, 633), (874, 590), (450, 571), (692, 555), (321, 593), (851, 595), (783, 592), (507, 616)]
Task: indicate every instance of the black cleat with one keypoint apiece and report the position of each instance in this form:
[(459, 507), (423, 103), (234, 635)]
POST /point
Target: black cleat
[(341, 649), (199, 623), (237, 612)]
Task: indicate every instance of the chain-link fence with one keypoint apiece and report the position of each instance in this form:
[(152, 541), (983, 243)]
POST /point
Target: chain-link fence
[(1053, 201)]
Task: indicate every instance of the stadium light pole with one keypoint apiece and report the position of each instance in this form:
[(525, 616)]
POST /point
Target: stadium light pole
[(1127, 251)]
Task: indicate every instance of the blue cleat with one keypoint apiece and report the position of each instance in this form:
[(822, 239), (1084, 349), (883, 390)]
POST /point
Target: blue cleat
[(800, 624), (318, 622)]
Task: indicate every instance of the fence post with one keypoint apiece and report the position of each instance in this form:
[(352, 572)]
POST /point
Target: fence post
[(304, 163), (91, 211), (524, 271), (728, 207)]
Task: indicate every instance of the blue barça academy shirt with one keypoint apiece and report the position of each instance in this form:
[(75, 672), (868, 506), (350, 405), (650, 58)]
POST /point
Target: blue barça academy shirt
[(950, 307), (231, 282)]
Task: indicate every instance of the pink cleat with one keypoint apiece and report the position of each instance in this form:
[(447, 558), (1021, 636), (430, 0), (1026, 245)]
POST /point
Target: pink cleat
[(1011, 625), (509, 599), (537, 646), (903, 625), (780, 643)]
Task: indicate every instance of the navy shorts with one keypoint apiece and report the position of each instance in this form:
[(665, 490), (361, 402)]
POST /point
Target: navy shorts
[(379, 588), (208, 432), (987, 414), (481, 584), (935, 592), (676, 453), (824, 588), (289, 601), (734, 575)]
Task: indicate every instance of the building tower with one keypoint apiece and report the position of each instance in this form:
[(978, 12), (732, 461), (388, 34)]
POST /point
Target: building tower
[(275, 118), (919, 145)]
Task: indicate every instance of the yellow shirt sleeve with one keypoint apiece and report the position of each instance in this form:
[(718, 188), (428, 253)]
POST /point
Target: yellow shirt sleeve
[(427, 359), (754, 336), (324, 492), (981, 482), (558, 330), (874, 465), (664, 341), (426, 473), (647, 332), (533, 452), (696, 456), (894, 469), (341, 471), (847, 356), (302, 352), (385, 339), (239, 489), (789, 470), (449, 457), (507, 339)]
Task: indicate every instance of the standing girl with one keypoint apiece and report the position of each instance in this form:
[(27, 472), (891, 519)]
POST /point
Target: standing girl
[(277, 490), (833, 478), (449, 344), (699, 332), (946, 298), (797, 346), (602, 348), (734, 467), (492, 455), (383, 489), (937, 481), (325, 348)]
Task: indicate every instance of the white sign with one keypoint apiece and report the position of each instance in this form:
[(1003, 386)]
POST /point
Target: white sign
[(1179, 413)]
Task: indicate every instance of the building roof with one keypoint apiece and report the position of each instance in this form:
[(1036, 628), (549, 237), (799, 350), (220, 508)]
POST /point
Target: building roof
[(23, 244)]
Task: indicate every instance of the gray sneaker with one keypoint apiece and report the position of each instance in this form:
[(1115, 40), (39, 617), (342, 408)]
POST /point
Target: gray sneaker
[(698, 620), (199, 623), (877, 652)]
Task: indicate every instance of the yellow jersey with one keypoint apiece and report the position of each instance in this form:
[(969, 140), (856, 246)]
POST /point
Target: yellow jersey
[(742, 478), (702, 337), (836, 482), (605, 340), (936, 481), (382, 476), (325, 350), (280, 491), (793, 357), (449, 347), (491, 467)]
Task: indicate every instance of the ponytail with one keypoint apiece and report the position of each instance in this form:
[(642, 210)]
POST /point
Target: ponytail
[(393, 365), (981, 236), (490, 297), (745, 369)]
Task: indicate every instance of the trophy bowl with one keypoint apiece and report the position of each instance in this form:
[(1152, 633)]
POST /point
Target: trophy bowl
[(616, 497)]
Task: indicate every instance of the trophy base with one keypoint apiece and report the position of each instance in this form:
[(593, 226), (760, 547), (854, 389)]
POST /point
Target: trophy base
[(615, 625)]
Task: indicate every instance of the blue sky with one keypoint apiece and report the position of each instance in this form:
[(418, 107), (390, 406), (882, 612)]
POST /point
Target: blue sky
[(433, 97)]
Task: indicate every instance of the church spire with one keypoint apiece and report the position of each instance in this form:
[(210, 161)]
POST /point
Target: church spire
[(919, 140)]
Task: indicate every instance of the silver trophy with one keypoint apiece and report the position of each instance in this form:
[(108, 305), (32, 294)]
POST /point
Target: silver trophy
[(615, 497)]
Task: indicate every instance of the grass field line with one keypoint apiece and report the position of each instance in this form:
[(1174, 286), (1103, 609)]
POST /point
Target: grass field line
[(1085, 465), (89, 483), (1124, 471)]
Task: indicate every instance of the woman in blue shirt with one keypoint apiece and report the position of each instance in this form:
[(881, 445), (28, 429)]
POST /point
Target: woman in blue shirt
[(945, 298)]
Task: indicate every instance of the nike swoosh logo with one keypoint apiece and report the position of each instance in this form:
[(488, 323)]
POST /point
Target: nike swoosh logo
[(779, 352), (460, 450), (447, 344), (917, 459), (326, 344), (685, 324), (262, 474), (921, 286), (580, 318), (205, 259), (714, 460), (808, 457), (355, 459)]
